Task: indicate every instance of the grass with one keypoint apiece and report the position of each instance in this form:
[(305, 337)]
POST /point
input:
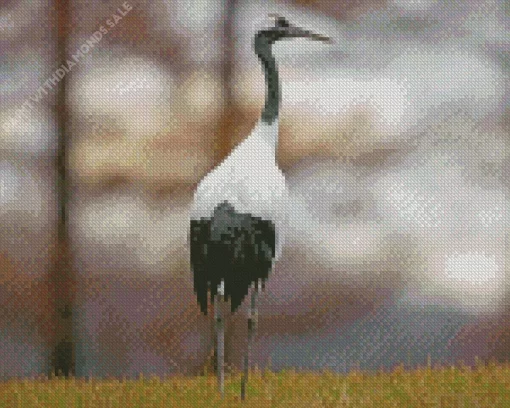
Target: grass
[(482, 386)]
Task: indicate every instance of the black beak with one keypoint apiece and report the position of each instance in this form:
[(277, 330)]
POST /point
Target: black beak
[(297, 32), (288, 30)]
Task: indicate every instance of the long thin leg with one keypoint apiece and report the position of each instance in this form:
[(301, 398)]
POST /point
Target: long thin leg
[(220, 336), (252, 326)]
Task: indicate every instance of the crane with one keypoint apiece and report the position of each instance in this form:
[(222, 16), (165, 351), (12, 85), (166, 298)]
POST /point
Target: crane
[(238, 209)]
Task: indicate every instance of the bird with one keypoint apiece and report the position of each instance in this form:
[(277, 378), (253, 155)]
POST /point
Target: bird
[(238, 210)]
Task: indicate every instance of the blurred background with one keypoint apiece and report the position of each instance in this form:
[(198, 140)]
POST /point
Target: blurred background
[(394, 141)]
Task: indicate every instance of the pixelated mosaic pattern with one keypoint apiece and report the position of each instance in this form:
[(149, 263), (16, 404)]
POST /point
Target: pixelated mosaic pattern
[(394, 141)]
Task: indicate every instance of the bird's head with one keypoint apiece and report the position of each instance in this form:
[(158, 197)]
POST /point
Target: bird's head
[(283, 29)]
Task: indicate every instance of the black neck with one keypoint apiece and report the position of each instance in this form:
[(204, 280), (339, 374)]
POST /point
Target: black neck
[(264, 52)]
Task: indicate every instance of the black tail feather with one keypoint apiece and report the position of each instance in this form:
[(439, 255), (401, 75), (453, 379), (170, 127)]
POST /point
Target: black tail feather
[(233, 247)]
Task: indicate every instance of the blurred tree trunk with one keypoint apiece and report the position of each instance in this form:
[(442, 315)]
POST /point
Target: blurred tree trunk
[(225, 134), (61, 278)]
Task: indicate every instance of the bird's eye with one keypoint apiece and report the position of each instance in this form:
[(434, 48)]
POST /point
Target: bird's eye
[(281, 22)]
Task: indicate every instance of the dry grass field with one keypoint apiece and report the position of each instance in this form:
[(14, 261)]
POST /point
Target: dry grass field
[(482, 386)]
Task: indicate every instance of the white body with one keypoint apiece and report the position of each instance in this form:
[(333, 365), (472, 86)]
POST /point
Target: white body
[(249, 180)]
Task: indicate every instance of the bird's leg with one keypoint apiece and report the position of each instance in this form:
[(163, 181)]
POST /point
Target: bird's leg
[(252, 325), (220, 337)]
